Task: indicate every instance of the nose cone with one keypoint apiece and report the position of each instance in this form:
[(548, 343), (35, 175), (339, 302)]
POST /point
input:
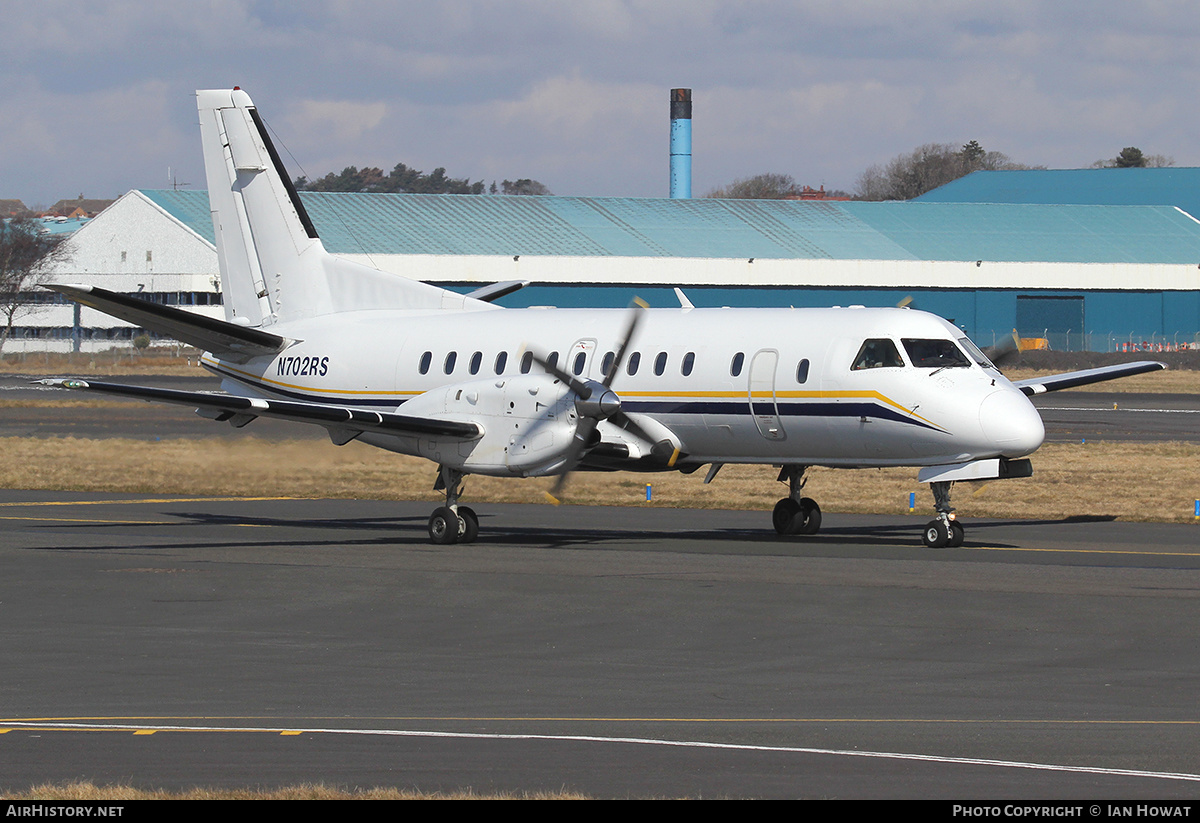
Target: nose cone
[(1011, 423)]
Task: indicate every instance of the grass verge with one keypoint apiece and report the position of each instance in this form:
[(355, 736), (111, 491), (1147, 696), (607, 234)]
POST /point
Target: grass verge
[(84, 791), (1131, 481)]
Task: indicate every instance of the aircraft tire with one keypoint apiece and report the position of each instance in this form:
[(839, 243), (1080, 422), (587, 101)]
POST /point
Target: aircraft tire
[(785, 516), (468, 525), (443, 526), (809, 520), (936, 536), (957, 534)]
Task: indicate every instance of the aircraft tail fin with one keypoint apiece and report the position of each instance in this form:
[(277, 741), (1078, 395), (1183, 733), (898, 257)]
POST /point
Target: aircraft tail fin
[(273, 266)]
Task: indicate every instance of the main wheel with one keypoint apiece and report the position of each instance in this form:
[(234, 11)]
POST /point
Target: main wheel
[(468, 525), (936, 535), (443, 526), (785, 516), (957, 534), (809, 521)]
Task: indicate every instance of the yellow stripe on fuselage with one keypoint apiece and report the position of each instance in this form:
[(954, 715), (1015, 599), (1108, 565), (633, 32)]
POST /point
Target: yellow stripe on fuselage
[(644, 395)]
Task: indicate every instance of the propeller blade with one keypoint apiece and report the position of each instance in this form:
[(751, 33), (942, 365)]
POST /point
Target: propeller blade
[(583, 434), (630, 425), (581, 389), (635, 316), (1006, 350)]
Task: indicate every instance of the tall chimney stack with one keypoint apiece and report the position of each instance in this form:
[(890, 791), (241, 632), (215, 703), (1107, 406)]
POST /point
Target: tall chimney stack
[(681, 143)]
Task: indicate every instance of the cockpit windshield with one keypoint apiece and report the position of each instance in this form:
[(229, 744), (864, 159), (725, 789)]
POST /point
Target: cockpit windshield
[(877, 354), (976, 353), (935, 354)]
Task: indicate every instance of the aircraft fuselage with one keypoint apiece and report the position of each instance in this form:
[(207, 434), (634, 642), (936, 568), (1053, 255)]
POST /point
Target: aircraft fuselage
[(731, 385)]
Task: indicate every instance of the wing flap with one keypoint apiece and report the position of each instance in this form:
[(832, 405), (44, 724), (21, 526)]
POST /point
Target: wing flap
[(219, 406), (1070, 380)]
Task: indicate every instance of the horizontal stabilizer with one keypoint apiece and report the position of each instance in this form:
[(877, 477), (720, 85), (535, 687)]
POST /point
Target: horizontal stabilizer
[(495, 291), (1069, 380), (228, 340), (240, 410)]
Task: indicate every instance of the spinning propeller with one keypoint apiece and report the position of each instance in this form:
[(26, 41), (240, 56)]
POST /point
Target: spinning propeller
[(1005, 351), (596, 401)]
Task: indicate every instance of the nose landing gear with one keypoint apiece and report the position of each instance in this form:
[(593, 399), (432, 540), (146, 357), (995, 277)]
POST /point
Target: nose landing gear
[(944, 530)]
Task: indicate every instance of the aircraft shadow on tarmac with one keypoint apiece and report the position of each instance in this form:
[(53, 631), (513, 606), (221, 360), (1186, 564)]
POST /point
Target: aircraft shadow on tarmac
[(411, 530)]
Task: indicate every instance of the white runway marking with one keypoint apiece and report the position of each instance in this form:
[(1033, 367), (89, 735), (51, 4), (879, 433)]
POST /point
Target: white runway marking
[(692, 744)]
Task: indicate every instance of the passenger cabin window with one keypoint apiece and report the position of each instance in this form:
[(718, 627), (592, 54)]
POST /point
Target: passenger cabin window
[(802, 371), (689, 362), (476, 362), (877, 354), (501, 362), (935, 354), (426, 362), (526, 362), (635, 360), (450, 360), (607, 363), (660, 363), (580, 360), (552, 359), (735, 368)]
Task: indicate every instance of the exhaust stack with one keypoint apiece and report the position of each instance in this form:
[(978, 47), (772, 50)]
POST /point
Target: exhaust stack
[(681, 144)]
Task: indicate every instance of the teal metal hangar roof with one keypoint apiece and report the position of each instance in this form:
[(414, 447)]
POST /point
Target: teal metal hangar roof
[(1097, 187), (712, 228)]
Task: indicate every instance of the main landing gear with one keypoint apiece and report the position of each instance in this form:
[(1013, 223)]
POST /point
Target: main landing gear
[(795, 514), (452, 523), (944, 530)]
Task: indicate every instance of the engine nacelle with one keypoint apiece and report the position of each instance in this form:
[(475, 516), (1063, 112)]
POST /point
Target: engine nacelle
[(528, 422)]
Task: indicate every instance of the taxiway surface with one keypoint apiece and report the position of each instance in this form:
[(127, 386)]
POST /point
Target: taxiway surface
[(614, 651)]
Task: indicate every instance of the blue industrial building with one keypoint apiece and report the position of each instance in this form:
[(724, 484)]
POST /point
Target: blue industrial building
[(1083, 275)]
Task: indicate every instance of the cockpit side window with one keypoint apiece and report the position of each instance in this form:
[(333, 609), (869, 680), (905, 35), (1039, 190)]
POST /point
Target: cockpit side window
[(935, 354), (877, 354)]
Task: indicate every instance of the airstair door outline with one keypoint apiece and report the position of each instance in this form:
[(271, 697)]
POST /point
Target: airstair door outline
[(761, 395)]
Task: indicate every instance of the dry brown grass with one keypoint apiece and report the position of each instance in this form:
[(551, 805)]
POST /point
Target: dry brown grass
[(1134, 481), (127, 360), (89, 792)]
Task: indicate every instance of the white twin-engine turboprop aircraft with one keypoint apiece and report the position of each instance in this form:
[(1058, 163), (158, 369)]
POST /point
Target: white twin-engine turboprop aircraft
[(478, 389)]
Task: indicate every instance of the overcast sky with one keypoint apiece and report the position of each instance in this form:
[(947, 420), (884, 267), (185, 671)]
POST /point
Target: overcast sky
[(96, 97)]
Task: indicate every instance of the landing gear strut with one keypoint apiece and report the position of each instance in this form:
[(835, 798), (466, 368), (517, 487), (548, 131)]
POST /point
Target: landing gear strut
[(452, 523), (795, 514), (944, 530)]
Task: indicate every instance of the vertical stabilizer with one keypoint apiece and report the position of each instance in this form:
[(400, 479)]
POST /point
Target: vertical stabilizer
[(273, 266)]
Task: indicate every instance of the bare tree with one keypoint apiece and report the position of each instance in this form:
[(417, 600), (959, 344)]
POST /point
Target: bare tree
[(760, 187), (26, 254), (926, 167)]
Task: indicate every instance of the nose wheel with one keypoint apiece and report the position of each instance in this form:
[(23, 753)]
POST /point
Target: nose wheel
[(945, 530)]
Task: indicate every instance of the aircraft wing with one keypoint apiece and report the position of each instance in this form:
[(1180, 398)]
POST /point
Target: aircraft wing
[(229, 340), (344, 423), (1069, 380)]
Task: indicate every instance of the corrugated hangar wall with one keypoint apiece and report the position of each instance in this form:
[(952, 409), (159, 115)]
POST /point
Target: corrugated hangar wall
[(1086, 276)]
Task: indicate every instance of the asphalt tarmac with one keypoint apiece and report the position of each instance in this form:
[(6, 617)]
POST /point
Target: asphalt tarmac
[(619, 652)]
